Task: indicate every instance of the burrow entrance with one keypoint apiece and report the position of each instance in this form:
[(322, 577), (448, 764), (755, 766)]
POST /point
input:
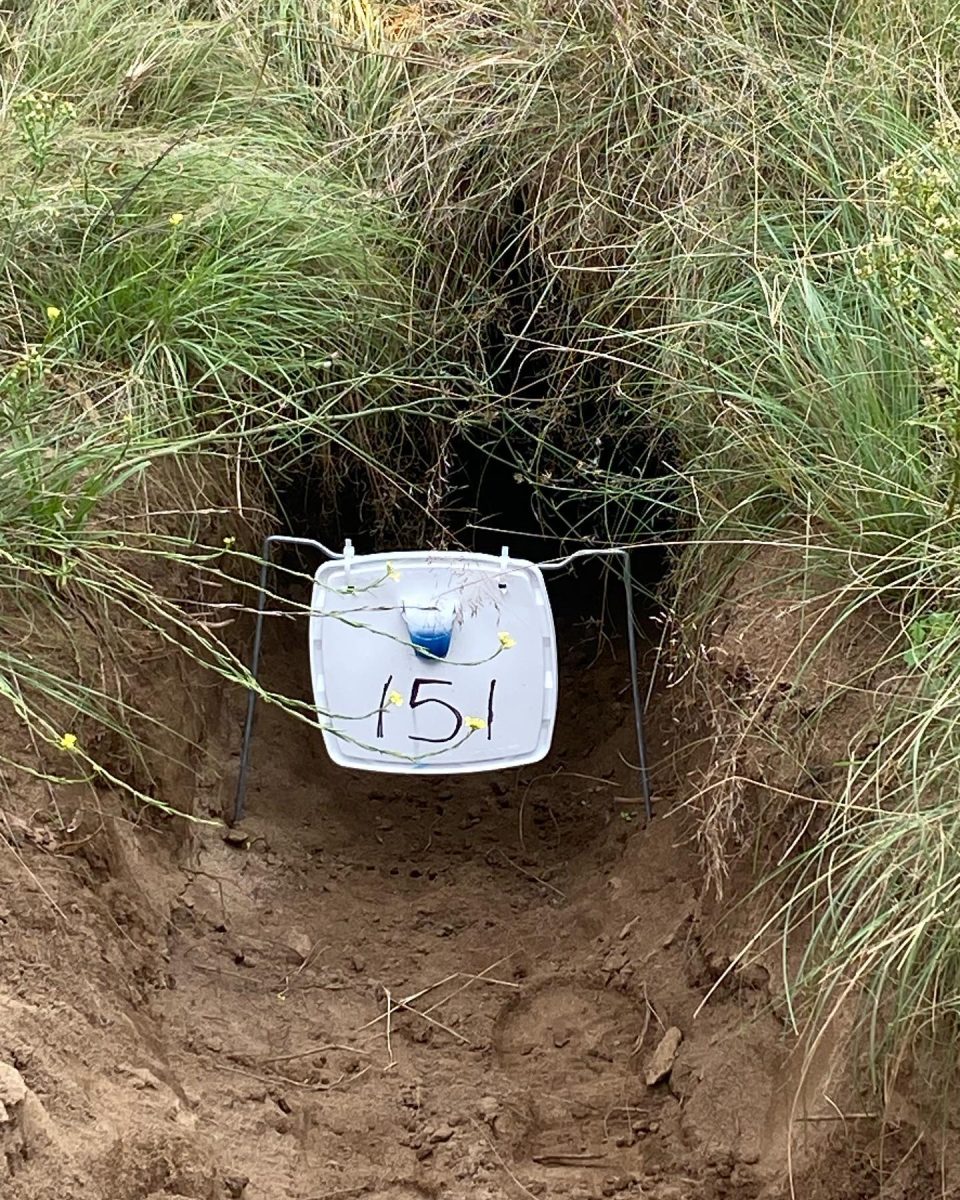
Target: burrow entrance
[(493, 505), (587, 597), (462, 983), (475, 986)]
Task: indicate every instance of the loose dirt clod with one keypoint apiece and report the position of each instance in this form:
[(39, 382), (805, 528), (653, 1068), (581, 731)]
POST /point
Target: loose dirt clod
[(488, 1109), (661, 1061), (13, 1090)]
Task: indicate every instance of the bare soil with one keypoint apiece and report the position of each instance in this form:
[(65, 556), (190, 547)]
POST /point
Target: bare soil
[(488, 986)]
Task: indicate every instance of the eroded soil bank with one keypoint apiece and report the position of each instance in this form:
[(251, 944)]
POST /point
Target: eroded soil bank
[(436, 988)]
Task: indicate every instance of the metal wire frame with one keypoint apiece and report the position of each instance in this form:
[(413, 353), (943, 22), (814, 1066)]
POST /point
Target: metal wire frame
[(266, 562)]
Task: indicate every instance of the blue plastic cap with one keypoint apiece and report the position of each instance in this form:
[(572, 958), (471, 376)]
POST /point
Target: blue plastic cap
[(431, 627), (436, 642)]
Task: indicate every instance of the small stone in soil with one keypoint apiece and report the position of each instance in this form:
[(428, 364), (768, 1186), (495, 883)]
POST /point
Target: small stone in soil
[(236, 1185), (13, 1089), (661, 1061), (442, 1133), (488, 1109), (645, 1126), (300, 944), (237, 837)]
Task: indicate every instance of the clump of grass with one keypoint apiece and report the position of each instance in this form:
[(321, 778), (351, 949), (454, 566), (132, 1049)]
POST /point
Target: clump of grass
[(185, 282)]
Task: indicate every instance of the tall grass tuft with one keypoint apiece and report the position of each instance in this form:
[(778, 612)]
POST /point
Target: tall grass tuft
[(197, 302)]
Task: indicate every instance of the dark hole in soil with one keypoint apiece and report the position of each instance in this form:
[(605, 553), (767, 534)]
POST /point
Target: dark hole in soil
[(493, 501)]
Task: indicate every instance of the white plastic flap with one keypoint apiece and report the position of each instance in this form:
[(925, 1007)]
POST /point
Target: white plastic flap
[(441, 662)]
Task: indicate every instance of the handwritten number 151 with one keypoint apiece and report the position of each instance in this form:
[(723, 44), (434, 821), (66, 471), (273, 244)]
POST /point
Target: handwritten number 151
[(419, 701)]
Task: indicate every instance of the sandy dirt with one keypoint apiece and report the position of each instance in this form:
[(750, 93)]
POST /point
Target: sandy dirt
[(491, 986)]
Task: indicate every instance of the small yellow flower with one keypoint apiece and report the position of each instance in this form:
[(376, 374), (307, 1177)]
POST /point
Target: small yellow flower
[(176, 219), (68, 741), (52, 312), (506, 640), (395, 698), (229, 542), (476, 723), (392, 572)]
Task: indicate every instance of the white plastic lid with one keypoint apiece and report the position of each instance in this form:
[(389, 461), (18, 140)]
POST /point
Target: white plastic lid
[(438, 662)]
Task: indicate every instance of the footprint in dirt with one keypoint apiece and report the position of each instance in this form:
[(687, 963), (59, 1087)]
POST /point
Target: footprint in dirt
[(573, 1053)]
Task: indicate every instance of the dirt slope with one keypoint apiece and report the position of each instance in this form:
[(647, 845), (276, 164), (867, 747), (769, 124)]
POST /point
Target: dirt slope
[(397, 989)]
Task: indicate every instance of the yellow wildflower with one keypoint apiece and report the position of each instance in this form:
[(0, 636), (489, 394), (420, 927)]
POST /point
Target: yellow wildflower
[(52, 312), (176, 219), (395, 698), (476, 723), (506, 640), (229, 542), (68, 741), (392, 572)]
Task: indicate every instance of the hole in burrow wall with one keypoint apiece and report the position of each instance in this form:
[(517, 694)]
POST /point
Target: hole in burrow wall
[(495, 508), (588, 778), (492, 502)]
